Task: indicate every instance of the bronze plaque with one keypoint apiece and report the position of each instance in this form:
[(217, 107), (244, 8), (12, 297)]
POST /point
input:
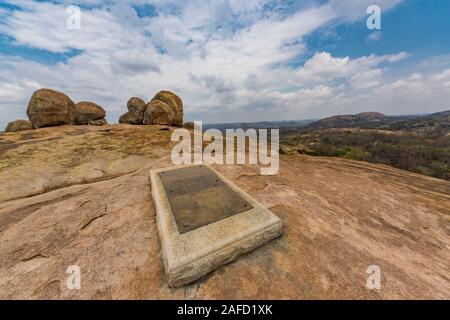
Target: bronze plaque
[(198, 197)]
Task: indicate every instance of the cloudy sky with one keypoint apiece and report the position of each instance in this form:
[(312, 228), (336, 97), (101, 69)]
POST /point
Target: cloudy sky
[(230, 60)]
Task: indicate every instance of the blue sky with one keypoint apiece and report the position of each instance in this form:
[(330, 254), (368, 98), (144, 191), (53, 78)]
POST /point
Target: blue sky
[(230, 60), (415, 26)]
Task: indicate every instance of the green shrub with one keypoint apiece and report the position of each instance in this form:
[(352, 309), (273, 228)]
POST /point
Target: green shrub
[(421, 153), (355, 153)]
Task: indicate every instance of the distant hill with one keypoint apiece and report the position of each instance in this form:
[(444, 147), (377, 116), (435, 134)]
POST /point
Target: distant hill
[(415, 143), (432, 122), (367, 120), (259, 125)]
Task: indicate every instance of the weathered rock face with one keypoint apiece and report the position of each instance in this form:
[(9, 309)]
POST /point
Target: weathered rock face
[(125, 118), (88, 111), (174, 102), (136, 107), (158, 112), (80, 196), (19, 125), (50, 108)]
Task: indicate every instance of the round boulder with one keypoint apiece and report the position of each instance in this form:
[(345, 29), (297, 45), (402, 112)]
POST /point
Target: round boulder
[(50, 108), (19, 125), (136, 107), (188, 125), (158, 112), (88, 111), (125, 118), (174, 102), (99, 122)]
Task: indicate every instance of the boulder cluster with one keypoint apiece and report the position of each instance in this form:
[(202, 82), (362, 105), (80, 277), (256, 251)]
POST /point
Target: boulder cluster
[(166, 108), (49, 107)]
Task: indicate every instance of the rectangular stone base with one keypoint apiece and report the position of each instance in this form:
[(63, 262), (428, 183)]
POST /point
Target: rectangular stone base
[(188, 255)]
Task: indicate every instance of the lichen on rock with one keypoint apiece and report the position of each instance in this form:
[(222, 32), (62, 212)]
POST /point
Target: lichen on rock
[(19, 125), (85, 112), (49, 107)]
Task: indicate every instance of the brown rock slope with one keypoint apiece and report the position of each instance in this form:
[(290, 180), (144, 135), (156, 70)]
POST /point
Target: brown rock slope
[(80, 196)]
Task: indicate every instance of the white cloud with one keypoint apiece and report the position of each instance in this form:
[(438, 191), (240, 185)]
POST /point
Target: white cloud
[(398, 57), (366, 79), (444, 75), (352, 10), (11, 92), (319, 91), (133, 62), (374, 36), (323, 67), (322, 64), (228, 60)]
